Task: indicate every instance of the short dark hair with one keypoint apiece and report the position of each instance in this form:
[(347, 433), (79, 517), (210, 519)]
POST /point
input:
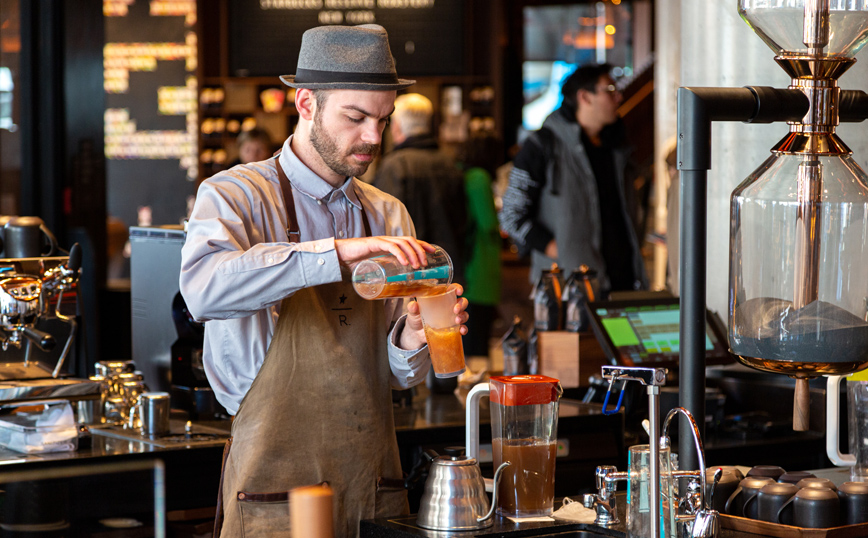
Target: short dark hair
[(320, 96), (583, 78)]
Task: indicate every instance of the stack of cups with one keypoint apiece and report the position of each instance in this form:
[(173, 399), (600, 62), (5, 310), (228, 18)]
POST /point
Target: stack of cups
[(798, 499)]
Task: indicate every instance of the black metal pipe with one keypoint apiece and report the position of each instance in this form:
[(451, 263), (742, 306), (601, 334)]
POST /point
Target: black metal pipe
[(697, 109), (853, 106)]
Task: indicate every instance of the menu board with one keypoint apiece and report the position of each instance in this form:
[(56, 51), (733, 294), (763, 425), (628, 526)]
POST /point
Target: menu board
[(426, 36), (151, 117)]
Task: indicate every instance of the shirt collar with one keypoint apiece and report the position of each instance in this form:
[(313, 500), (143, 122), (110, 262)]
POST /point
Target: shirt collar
[(307, 182)]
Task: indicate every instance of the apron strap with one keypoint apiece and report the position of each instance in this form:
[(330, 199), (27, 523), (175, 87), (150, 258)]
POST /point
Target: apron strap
[(289, 202)]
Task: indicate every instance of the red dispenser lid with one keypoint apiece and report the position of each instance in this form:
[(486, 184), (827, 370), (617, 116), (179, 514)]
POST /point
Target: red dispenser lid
[(524, 390)]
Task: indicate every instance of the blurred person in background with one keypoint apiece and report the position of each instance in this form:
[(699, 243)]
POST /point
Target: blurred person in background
[(253, 146), (568, 197), (425, 179), (480, 158)]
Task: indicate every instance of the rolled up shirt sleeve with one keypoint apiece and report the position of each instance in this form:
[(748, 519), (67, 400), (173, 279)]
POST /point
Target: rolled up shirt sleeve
[(226, 272), (409, 367)]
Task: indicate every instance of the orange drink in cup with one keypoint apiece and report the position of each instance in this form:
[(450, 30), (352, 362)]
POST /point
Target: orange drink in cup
[(384, 277), (441, 333)]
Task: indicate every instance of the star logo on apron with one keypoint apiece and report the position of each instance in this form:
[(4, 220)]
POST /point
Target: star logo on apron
[(343, 321)]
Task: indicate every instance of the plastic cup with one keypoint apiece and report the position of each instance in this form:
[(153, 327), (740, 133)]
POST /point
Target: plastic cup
[(383, 277), (441, 333)]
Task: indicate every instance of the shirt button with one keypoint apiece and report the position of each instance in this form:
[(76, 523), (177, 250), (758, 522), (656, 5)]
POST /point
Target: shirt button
[(269, 259), (319, 202), (340, 234), (316, 247), (321, 261)]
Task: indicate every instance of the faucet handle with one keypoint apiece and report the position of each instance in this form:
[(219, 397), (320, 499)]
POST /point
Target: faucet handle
[(717, 474)]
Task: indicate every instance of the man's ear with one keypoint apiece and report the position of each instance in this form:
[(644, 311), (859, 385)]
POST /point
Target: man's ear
[(583, 96), (304, 103)]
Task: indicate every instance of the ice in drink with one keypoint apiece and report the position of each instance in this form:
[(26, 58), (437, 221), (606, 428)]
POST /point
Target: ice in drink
[(446, 351), (527, 487)]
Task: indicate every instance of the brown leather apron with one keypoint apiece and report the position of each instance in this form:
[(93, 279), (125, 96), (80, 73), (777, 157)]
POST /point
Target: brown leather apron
[(319, 410)]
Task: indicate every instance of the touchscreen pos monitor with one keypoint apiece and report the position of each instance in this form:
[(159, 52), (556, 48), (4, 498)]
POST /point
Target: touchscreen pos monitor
[(645, 332)]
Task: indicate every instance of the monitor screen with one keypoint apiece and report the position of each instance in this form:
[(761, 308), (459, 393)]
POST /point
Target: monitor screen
[(646, 332)]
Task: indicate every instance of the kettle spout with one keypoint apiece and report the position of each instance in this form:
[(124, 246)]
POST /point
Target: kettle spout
[(497, 476)]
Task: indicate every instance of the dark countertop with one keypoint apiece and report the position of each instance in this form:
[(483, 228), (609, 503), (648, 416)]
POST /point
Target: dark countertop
[(432, 410), (405, 527), (96, 446)]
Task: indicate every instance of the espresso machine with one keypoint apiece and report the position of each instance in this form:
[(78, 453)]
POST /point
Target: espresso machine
[(798, 287), (38, 293)]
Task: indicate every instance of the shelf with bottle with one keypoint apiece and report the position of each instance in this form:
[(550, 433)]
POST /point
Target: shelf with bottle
[(232, 106)]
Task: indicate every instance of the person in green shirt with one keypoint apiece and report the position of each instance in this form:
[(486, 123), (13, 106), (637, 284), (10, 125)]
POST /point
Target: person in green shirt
[(480, 157)]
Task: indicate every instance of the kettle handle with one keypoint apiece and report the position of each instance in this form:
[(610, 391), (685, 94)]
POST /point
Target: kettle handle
[(471, 429), (497, 475), (833, 413)]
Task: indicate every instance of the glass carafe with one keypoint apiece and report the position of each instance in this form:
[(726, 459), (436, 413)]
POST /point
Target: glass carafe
[(798, 254), (524, 424)]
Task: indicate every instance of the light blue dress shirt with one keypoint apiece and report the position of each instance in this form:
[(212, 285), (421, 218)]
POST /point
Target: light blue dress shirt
[(237, 263)]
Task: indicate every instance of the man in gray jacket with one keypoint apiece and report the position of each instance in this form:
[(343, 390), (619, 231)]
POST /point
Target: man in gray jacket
[(569, 192)]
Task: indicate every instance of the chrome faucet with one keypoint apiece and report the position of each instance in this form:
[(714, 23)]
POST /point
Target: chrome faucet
[(603, 502), (700, 520), (653, 379)]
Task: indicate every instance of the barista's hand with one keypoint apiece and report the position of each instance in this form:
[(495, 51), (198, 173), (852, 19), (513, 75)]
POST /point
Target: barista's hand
[(408, 250), (413, 335)]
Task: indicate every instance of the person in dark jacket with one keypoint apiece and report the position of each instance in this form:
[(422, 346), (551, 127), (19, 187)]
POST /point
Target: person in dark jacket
[(569, 190), (426, 180)]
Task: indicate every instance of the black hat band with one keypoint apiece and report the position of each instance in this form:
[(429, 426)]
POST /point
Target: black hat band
[(314, 76)]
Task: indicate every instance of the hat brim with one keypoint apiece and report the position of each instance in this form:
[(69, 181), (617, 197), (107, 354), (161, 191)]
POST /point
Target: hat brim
[(289, 80)]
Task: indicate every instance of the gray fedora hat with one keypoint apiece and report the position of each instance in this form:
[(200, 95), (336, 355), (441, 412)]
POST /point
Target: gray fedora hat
[(346, 58)]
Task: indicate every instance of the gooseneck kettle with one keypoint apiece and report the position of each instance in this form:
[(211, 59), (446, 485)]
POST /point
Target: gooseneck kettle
[(454, 498)]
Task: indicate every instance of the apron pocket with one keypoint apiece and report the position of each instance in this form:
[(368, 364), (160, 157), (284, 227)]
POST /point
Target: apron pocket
[(264, 514), (391, 498)]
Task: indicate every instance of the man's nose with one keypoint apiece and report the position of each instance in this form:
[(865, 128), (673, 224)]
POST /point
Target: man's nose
[(372, 133)]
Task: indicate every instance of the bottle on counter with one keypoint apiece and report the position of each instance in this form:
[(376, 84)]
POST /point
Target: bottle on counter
[(547, 300), (581, 287), (514, 345)]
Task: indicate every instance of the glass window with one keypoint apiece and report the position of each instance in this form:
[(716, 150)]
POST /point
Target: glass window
[(557, 39)]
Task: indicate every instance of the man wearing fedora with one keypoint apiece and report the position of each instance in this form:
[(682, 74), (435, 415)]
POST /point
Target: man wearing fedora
[(301, 361)]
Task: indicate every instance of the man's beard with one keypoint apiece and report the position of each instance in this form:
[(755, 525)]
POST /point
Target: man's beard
[(331, 154)]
